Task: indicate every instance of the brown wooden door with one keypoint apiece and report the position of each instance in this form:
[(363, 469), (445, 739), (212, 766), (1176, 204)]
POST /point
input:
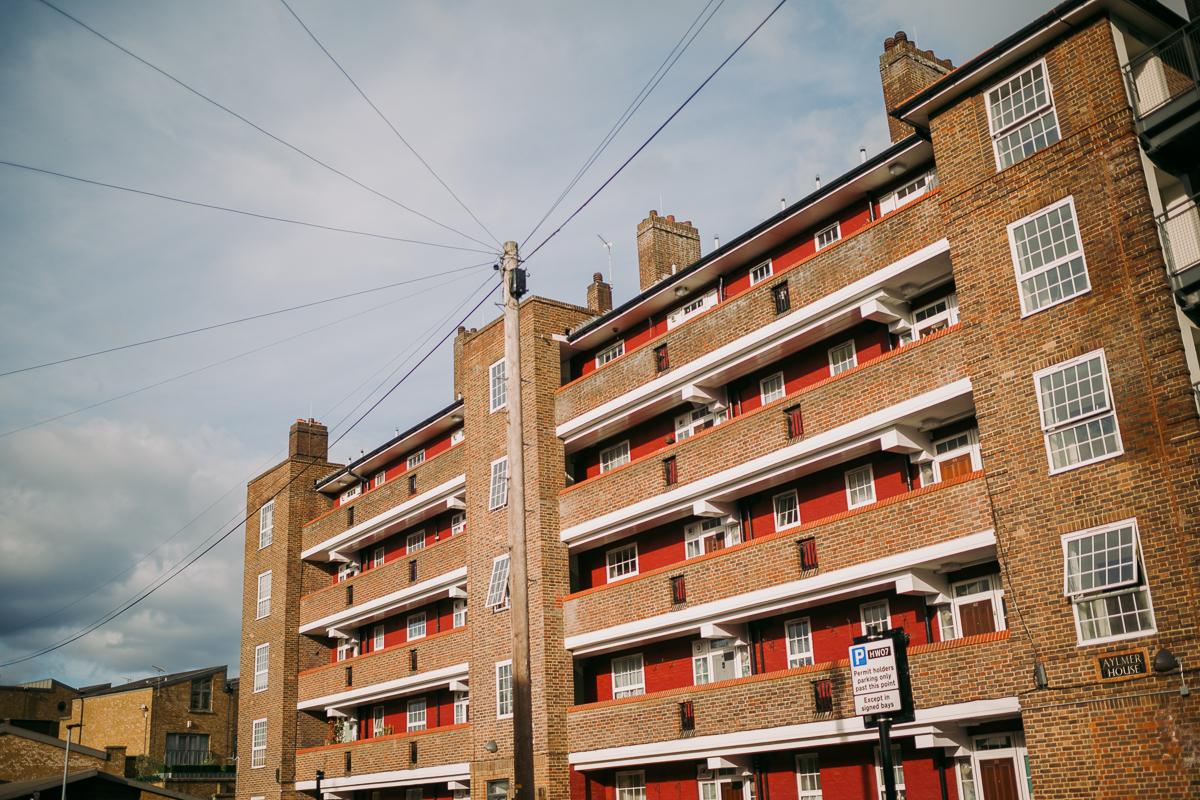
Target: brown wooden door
[(954, 467), (729, 792), (978, 617), (999, 779)]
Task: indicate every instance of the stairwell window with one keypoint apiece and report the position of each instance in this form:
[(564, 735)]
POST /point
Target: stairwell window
[(842, 357), (266, 524), (876, 617), (771, 388), (829, 235), (498, 490), (860, 486), (621, 562), (504, 695), (498, 394), (1048, 257), (415, 714), (692, 308), (799, 643), (1021, 116), (610, 353), (787, 510), (415, 459), (1104, 578), (258, 743), (631, 785), (263, 609), (262, 662), (628, 676), (761, 273), (497, 596), (615, 456), (1078, 420)]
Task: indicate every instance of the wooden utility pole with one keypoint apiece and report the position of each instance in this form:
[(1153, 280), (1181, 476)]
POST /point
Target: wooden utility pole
[(518, 579)]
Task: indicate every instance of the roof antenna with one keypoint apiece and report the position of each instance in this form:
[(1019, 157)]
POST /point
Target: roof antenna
[(607, 246)]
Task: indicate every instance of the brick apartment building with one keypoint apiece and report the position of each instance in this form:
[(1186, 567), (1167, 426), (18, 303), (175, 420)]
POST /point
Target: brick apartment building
[(951, 391)]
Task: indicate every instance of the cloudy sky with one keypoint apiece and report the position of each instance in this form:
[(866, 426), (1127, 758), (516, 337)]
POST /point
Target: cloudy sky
[(504, 99)]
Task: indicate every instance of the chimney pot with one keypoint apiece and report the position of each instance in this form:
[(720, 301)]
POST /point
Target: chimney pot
[(904, 70), (670, 217), (597, 277), (901, 36), (889, 43)]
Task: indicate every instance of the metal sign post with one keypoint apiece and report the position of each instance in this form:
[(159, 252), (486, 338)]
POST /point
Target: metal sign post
[(882, 691)]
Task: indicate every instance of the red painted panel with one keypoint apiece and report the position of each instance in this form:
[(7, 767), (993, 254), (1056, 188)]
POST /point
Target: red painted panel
[(398, 467), (644, 439), (439, 712)]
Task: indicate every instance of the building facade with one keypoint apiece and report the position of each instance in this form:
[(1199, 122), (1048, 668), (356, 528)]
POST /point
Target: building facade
[(952, 391)]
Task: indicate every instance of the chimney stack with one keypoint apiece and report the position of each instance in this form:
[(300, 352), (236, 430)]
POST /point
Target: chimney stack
[(308, 439), (599, 295), (665, 247), (905, 70)]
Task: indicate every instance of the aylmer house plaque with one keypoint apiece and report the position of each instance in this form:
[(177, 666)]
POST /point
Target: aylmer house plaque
[(1123, 666)]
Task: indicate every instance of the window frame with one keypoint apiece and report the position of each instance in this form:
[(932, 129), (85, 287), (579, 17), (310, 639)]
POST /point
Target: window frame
[(897, 767), (950, 315), (456, 436), (763, 394), (637, 791), (263, 649), (998, 133), (870, 485), (1069, 202), (416, 621), (378, 720), (458, 522), (836, 366), (258, 753), (378, 637), (696, 532), (461, 701), (501, 597), (836, 228), (887, 617), (1092, 416), (501, 692), (798, 657), (934, 464), (262, 601), (795, 495), (1139, 584), (458, 612), (266, 533), (770, 266), (415, 704), (609, 564), (607, 355), (498, 494), (893, 202), (350, 493), (703, 650), (415, 459), (995, 593), (197, 690), (679, 315), (688, 424), (379, 480), (801, 792), (632, 690), (378, 556), (497, 386), (411, 539), (622, 451)]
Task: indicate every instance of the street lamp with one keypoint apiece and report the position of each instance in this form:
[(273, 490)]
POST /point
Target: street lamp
[(67, 756), (320, 777)]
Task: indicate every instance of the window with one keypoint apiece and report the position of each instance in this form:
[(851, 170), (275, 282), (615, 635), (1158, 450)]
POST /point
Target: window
[(262, 662), (378, 637), (266, 524), (348, 648), (416, 626), (709, 535), (258, 743), (459, 617), (876, 617), (761, 273), (190, 749), (621, 562), (691, 422), (1104, 578), (953, 457), (415, 459), (799, 643), (201, 698), (827, 236), (808, 776), (456, 436), (860, 486), (615, 456), (498, 395), (1048, 257), (719, 660), (662, 358), (462, 708), (628, 677), (346, 570), (933, 317), (781, 298), (610, 353), (497, 790), (1021, 116), (966, 779), (414, 718), (380, 479), (264, 595), (897, 771), (351, 493), (378, 721), (498, 497), (504, 695), (458, 523), (378, 556), (414, 541), (631, 785), (771, 388), (787, 510), (1078, 421), (907, 193), (497, 596), (842, 358), (692, 308)]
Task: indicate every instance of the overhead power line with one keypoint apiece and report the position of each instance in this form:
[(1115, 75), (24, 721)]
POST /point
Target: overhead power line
[(254, 214), (198, 553), (656, 132), (227, 323), (196, 370), (258, 127), (388, 122), (636, 103)]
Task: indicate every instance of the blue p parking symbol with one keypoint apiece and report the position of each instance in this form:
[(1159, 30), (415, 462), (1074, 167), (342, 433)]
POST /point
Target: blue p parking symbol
[(858, 655)]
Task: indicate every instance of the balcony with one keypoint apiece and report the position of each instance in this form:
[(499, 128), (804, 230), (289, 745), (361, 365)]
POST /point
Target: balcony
[(439, 558), (341, 624), (834, 414), (341, 703), (1164, 82), (1179, 230), (434, 653), (778, 709), (900, 254), (403, 759)]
